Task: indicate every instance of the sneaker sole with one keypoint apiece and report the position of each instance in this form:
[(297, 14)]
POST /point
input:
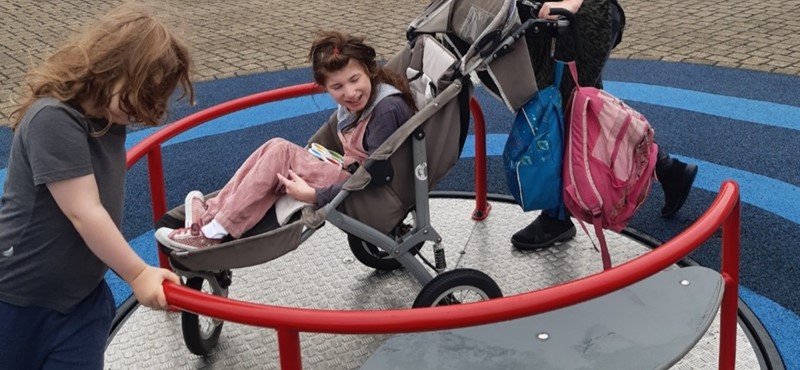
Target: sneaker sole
[(686, 191), (162, 236), (566, 235), (188, 211)]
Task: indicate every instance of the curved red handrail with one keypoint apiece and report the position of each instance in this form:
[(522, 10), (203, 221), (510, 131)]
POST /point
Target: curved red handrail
[(447, 317), (723, 212), (168, 132)]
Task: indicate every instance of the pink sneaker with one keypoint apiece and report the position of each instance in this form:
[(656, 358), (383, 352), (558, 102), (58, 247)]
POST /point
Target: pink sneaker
[(188, 238), (194, 206)]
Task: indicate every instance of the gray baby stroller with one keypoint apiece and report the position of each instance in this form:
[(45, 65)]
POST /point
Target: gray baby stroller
[(384, 206)]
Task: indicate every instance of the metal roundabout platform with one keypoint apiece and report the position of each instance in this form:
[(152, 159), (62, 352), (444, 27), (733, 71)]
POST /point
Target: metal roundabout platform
[(318, 307), (322, 273)]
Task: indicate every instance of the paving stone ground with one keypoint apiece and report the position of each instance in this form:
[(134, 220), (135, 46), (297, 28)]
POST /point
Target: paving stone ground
[(239, 37)]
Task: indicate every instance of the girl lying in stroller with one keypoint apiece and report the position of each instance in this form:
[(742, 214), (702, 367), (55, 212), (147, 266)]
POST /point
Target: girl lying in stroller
[(403, 124), (373, 102)]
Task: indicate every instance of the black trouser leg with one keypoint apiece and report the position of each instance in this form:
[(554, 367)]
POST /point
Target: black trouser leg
[(663, 164)]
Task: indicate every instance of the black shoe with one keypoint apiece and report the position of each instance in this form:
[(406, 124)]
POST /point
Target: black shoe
[(543, 232), (677, 183)]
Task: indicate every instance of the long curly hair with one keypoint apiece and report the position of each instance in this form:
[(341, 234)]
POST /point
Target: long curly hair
[(332, 50), (128, 46)]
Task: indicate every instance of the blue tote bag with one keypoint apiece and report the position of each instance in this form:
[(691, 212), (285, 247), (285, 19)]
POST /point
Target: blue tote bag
[(533, 152)]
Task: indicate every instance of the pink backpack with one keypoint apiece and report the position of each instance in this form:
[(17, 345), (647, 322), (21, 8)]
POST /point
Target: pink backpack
[(609, 158)]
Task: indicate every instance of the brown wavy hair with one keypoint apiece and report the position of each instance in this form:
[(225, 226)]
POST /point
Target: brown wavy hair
[(332, 50), (129, 45)]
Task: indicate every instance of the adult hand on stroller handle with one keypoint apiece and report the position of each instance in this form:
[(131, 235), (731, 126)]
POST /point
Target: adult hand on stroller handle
[(535, 24), (555, 10), (561, 12)]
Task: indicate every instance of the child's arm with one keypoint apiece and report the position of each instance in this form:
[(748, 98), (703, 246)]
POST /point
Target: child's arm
[(298, 188), (79, 199)]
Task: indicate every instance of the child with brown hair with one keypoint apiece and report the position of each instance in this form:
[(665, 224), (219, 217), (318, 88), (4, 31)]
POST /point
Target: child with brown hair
[(65, 187)]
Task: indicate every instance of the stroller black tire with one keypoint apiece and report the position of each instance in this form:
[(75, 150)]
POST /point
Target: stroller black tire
[(200, 333), (457, 286), (372, 256)]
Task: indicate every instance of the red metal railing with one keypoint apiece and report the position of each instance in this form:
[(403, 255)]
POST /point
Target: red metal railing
[(289, 322)]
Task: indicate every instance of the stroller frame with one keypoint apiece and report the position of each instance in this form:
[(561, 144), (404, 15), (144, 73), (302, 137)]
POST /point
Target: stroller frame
[(422, 230), (201, 337)]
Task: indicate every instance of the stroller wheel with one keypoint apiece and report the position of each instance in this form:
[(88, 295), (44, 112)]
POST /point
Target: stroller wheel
[(201, 333), (374, 257), (456, 287)]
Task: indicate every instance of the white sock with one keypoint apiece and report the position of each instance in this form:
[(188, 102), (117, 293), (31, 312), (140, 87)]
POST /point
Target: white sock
[(214, 230)]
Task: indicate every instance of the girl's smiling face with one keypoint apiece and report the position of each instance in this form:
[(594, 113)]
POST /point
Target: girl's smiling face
[(350, 86)]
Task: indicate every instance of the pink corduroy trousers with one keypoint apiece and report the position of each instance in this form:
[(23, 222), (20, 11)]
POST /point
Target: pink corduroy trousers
[(255, 187)]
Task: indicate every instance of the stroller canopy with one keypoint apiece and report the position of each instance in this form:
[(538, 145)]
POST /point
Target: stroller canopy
[(476, 29)]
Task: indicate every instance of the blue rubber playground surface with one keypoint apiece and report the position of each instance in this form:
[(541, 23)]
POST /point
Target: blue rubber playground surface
[(734, 124)]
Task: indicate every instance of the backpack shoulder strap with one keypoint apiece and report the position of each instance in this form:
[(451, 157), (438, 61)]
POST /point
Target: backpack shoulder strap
[(573, 70), (559, 71), (601, 238)]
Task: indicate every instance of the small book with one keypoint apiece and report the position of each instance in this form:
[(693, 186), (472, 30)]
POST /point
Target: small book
[(325, 154)]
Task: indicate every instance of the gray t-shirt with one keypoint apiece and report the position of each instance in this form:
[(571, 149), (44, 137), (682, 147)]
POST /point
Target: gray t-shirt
[(44, 262)]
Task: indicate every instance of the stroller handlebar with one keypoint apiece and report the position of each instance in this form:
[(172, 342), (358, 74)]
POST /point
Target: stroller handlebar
[(532, 25), (561, 12)]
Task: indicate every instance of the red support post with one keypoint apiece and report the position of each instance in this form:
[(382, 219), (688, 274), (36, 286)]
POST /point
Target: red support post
[(482, 206), (289, 349), (158, 193), (730, 298)]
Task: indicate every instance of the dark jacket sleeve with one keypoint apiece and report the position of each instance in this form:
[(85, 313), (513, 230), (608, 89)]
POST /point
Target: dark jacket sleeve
[(390, 113)]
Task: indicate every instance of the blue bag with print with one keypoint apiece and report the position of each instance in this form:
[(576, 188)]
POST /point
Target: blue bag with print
[(533, 152)]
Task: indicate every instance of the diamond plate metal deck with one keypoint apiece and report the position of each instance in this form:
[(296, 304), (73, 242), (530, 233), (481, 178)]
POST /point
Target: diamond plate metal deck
[(322, 273)]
